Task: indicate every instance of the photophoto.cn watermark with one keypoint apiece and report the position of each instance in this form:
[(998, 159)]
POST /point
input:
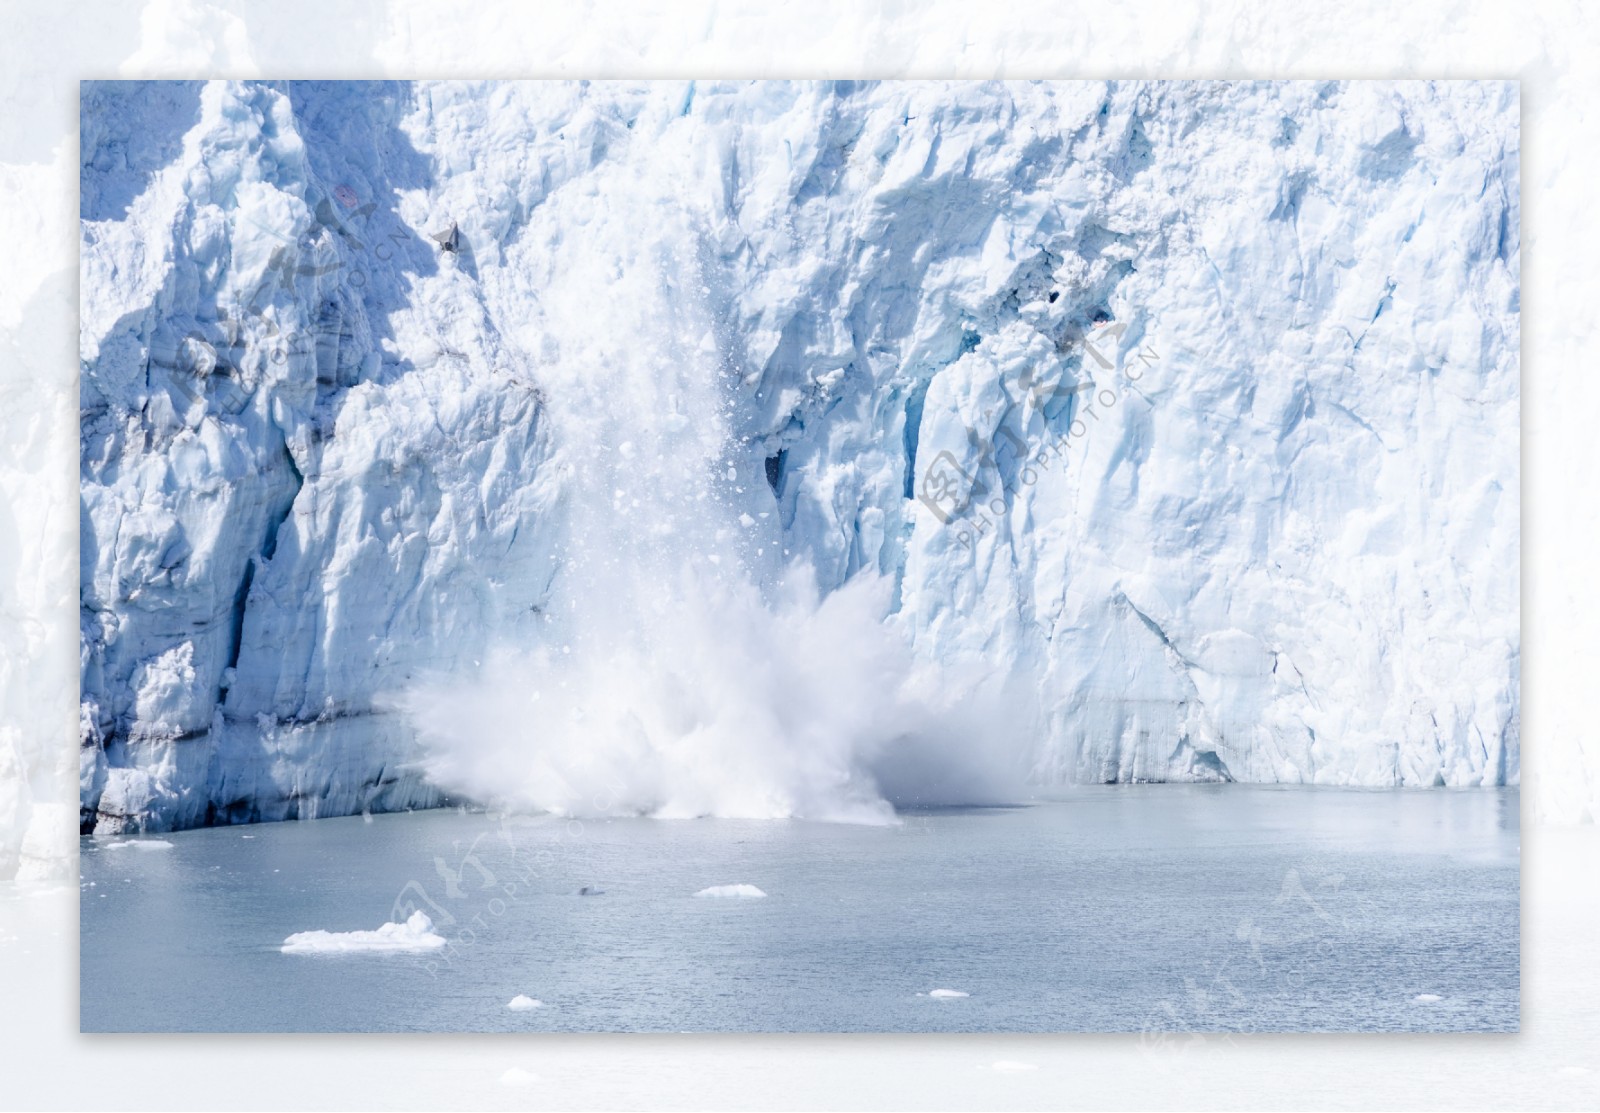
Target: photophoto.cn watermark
[(962, 498)]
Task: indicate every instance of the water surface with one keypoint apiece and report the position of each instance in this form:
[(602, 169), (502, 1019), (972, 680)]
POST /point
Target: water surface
[(1158, 908)]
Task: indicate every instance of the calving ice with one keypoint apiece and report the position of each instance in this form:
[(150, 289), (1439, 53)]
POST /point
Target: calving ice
[(791, 449), (702, 487)]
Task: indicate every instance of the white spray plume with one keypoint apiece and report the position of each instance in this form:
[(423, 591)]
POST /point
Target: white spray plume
[(722, 705), (685, 666)]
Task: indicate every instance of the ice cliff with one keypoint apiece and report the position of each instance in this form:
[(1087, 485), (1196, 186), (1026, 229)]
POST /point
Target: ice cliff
[(1185, 415)]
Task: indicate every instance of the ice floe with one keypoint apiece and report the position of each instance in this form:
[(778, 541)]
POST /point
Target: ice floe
[(744, 892), (139, 844), (416, 934)]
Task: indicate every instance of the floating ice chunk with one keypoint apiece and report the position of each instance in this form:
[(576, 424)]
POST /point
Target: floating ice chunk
[(1427, 998), (516, 1076), (140, 844), (521, 1002), (416, 934), (946, 993), (740, 891)]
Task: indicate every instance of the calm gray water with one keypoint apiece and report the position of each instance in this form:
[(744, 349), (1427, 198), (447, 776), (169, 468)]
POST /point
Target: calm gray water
[(1159, 908)]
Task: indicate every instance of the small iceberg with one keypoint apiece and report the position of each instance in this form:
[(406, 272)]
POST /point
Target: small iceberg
[(516, 1076), (743, 892), (140, 844), (947, 993), (1427, 998), (522, 1001), (416, 934)]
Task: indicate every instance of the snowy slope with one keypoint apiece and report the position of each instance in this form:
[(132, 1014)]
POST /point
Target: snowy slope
[(1160, 431)]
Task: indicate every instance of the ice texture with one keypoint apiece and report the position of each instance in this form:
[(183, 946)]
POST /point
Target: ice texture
[(416, 934), (1185, 413)]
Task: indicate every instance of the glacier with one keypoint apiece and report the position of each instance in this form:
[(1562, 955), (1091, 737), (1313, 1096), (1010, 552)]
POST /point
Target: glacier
[(791, 448)]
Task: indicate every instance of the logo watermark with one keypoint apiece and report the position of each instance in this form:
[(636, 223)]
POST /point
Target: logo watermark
[(957, 496), (468, 892), (1277, 957)]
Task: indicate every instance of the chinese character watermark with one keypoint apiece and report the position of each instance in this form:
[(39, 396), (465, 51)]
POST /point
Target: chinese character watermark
[(1295, 936)]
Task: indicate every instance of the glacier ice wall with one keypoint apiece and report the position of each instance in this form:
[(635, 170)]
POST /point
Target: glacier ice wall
[(1190, 408)]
